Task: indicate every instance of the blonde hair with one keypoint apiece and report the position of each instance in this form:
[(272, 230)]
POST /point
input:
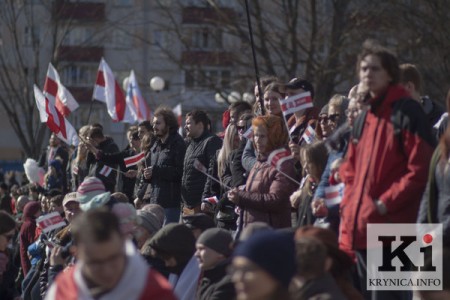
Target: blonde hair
[(228, 145)]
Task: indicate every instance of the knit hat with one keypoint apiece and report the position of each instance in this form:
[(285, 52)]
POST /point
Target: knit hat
[(330, 240), (149, 221), (127, 216), (70, 197), (217, 239), (157, 210), (94, 202), (199, 221), (272, 251), (298, 83), (89, 188), (7, 222), (175, 240)]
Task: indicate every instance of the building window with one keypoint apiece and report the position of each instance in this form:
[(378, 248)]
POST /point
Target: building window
[(79, 75), (205, 38), (121, 39), (207, 78), (80, 36), (161, 39), (31, 35)]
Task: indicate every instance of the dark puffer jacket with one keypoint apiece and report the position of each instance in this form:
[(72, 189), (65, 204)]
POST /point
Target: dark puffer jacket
[(167, 162), (266, 195), (193, 182)]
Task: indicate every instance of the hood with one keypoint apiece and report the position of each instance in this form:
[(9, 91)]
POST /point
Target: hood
[(30, 209)]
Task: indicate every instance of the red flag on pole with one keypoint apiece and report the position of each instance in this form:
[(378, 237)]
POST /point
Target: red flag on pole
[(54, 119), (56, 92), (107, 90)]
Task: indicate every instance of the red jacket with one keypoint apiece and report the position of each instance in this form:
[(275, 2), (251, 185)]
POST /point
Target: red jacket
[(266, 196), (389, 163), (157, 287)]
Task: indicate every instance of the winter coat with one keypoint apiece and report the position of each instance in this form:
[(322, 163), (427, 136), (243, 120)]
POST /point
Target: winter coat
[(193, 181), (216, 284), (107, 146), (435, 204), (167, 169), (126, 185), (389, 163), (28, 233), (266, 195)]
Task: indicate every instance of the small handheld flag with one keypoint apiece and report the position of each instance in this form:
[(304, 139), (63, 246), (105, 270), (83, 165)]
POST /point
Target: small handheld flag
[(105, 171), (134, 160), (333, 194), (50, 222), (309, 135)]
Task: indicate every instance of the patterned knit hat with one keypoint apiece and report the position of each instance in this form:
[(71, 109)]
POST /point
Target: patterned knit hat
[(89, 188)]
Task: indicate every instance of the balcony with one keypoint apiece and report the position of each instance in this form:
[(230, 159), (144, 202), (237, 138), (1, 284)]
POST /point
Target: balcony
[(207, 58), (81, 54), (207, 15), (81, 11)]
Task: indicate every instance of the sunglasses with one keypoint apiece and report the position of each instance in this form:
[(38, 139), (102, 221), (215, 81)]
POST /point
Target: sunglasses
[(333, 117), (240, 128), (323, 119)]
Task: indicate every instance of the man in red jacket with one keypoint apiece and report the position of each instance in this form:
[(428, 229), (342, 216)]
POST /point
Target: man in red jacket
[(386, 166), (108, 266)]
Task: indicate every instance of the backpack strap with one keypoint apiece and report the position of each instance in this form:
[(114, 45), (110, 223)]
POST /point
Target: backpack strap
[(358, 127)]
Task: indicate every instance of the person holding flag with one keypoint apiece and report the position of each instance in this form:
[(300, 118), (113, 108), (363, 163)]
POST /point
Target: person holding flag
[(166, 168), (266, 195), (127, 159), (301, 119), (98, 168)]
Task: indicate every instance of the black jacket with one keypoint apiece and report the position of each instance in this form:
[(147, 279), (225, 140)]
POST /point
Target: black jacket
[(126, 185), (193, 182), (167, 162), (216, 284), (107, 146)]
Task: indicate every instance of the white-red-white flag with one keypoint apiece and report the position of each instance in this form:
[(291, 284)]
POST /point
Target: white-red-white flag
[(211, 200), (56, 92), (199, 166), (105, 171), (248, 134), (50, 222), (134, 160), (309, 135), (54, 119), (179, 114), (135, 101), (108, 90), (296, 103), (278, 157), (333, 194)]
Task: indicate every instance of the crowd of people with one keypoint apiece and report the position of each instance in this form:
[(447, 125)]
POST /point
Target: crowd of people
[(207, 216)]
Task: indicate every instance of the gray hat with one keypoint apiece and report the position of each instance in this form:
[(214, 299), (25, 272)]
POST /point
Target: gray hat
[(217, 239), (149, 221)]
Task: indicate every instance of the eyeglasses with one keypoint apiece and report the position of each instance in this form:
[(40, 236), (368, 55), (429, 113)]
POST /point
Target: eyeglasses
[(333, 117), (240, 128), (323, 119)]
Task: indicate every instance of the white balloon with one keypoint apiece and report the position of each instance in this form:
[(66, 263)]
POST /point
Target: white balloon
[(234, 97), (157, 83)]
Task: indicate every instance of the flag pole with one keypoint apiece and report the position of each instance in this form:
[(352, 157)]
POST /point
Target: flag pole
[(90, 110), (252, 43), (288, 177)]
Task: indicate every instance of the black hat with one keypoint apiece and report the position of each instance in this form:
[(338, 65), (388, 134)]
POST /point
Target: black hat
[(199, 221), (7, 222), (298, 83), (218, 239)]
